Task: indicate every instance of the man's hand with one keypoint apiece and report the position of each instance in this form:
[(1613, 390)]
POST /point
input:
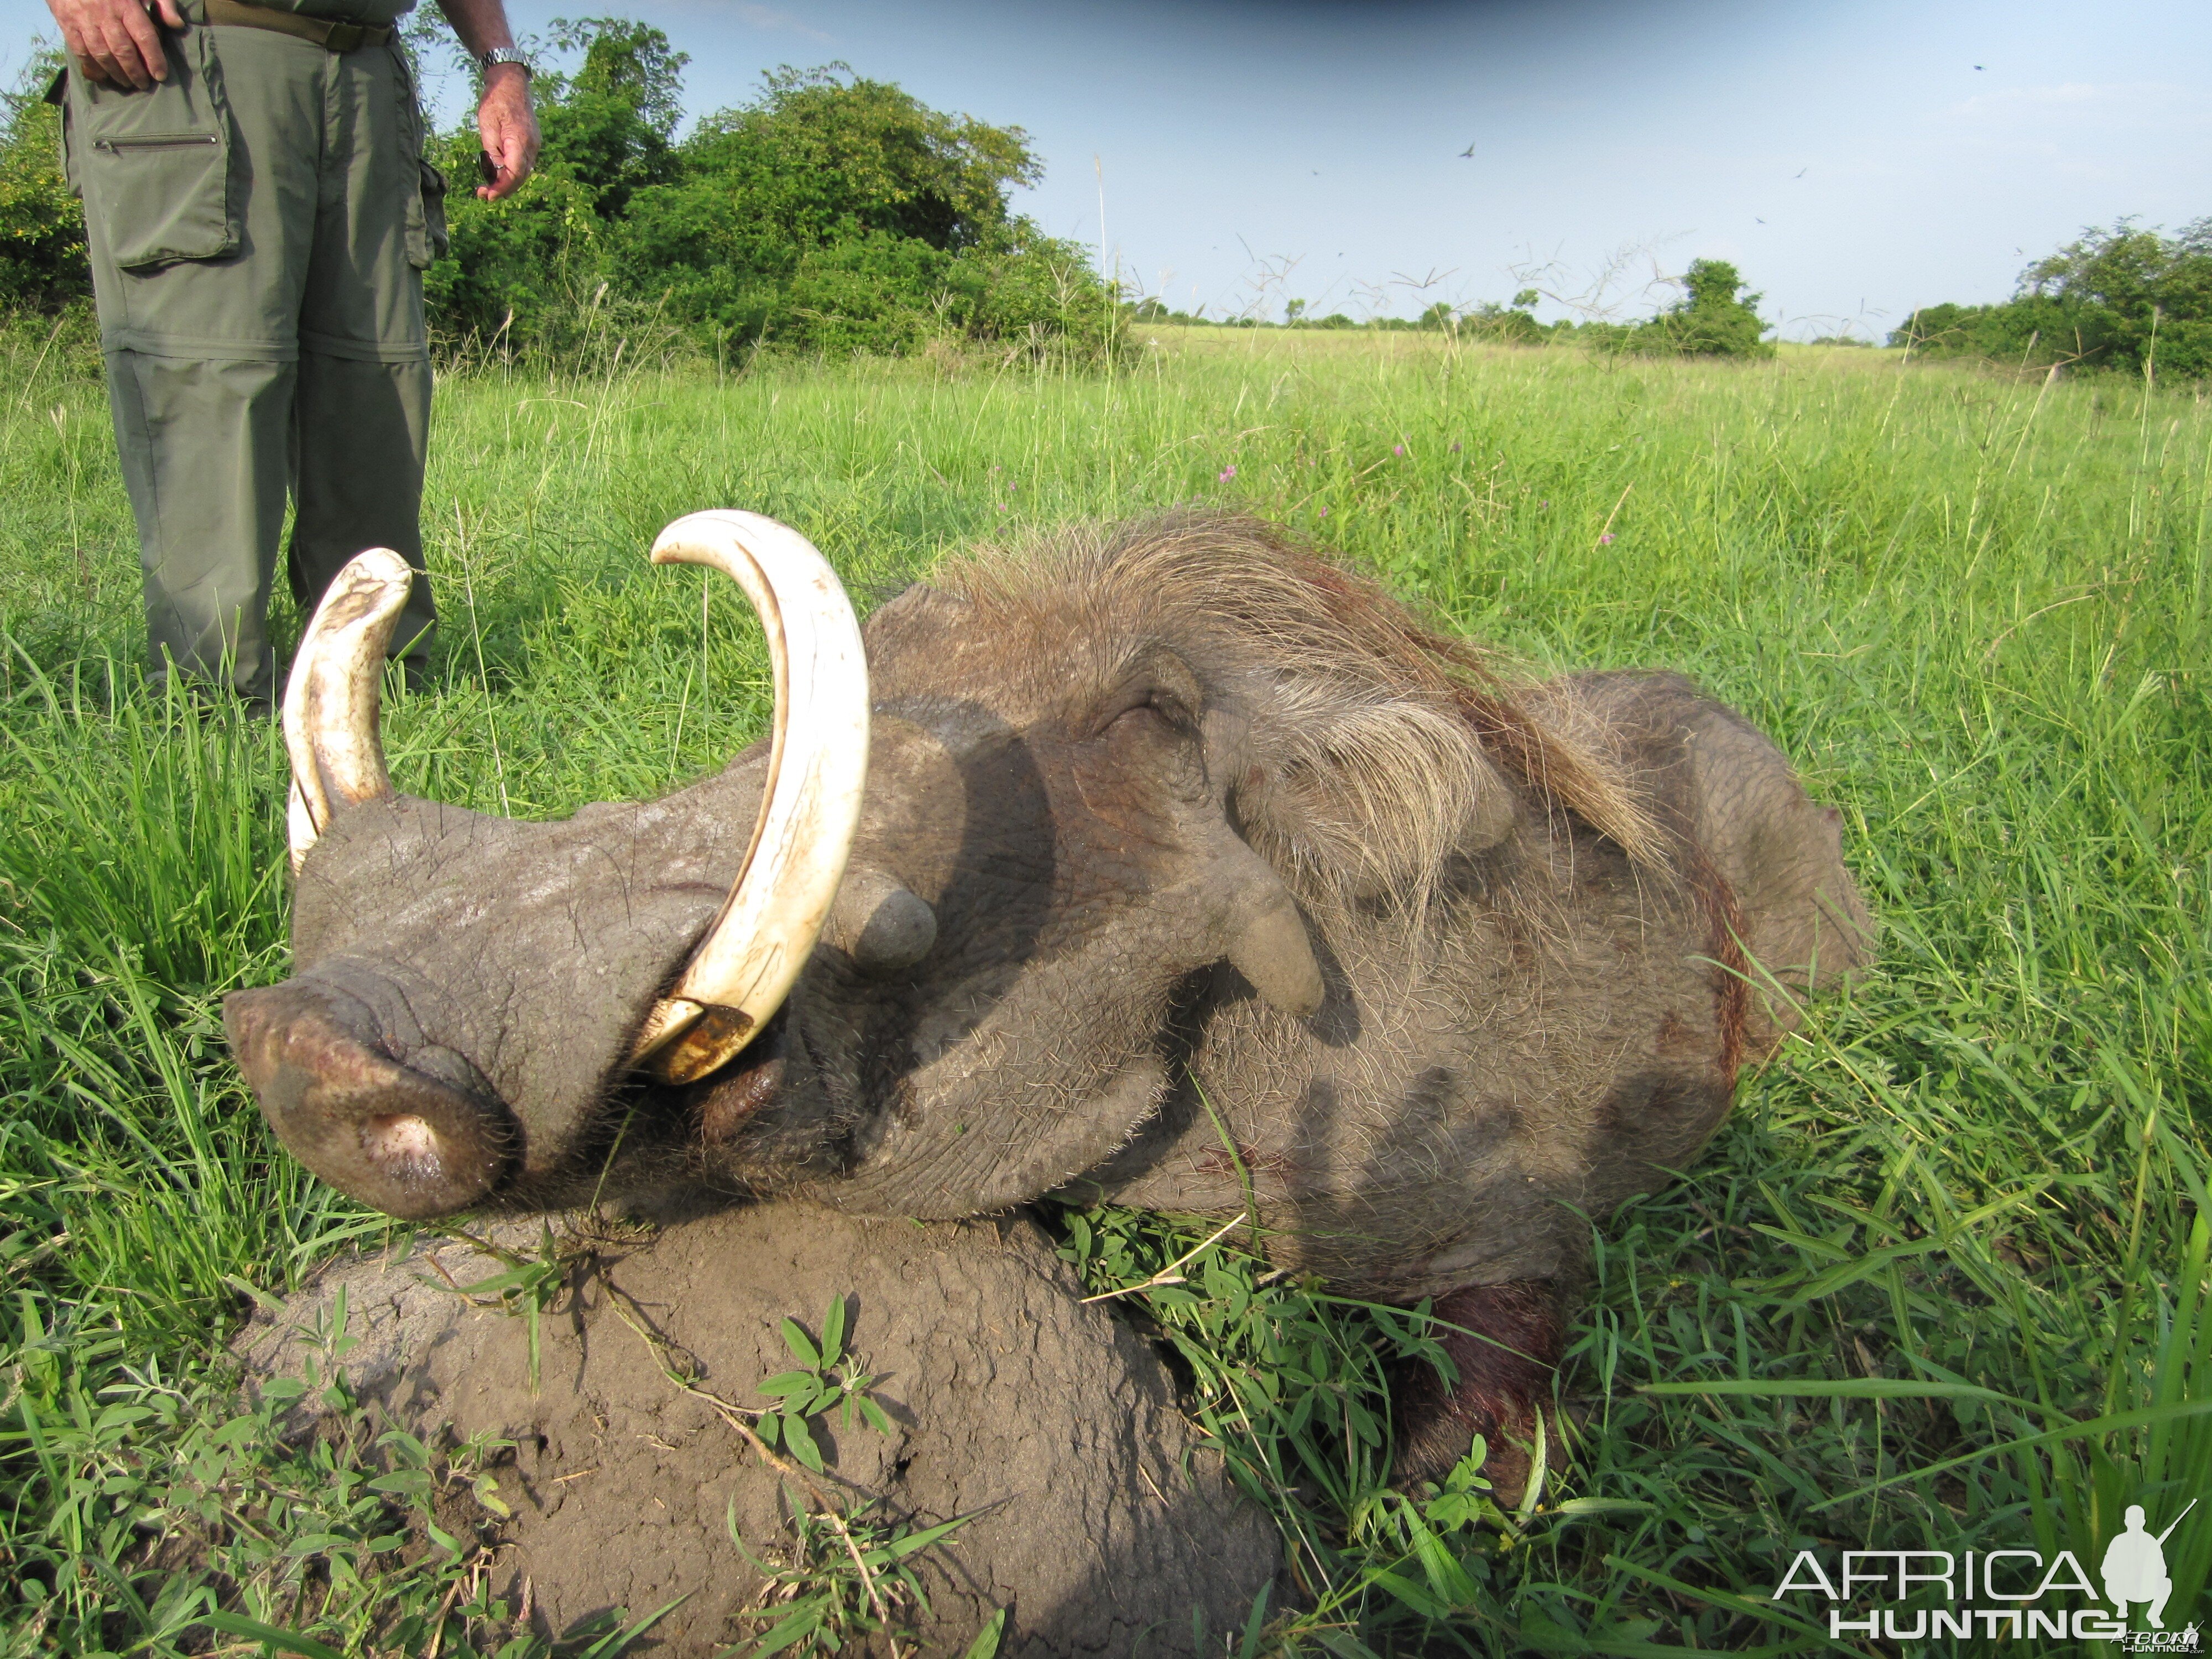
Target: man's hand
[(503, 117), (508, 127), (114, 42)]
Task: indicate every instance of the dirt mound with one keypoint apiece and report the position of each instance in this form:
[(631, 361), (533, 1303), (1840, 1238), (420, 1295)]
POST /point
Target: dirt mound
[(1098, 1519)]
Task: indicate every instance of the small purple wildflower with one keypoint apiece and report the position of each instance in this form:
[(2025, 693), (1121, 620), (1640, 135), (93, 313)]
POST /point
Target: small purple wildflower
[(1603, 540), (1546, 502), (1227, 473), (1324, 513), (1454, 449), (1397, 449)]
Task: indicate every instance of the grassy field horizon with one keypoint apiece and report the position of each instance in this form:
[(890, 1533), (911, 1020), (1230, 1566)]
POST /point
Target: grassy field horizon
[(1938, 1284)]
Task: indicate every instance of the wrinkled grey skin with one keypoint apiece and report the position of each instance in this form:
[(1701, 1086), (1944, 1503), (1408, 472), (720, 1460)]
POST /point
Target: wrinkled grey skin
[(1535, 1038)]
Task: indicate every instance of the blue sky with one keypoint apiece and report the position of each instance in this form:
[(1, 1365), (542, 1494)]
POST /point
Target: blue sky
[(1852, 159)]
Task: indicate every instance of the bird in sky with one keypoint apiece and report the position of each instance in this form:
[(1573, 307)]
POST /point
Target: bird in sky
[(1977, 66), (1756, 220), (1802, 172), (1467, 154)]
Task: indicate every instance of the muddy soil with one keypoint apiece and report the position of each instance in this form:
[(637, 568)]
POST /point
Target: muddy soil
[(1099, 1519)]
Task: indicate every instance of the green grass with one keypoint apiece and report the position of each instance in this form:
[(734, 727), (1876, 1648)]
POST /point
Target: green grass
[(1938, 1284)]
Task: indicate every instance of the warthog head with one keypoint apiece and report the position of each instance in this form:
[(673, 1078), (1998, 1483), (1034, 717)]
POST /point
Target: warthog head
[(920, 947)]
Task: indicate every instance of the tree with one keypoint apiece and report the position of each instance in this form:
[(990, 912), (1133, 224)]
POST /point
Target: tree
[(831, 212), (1710, 320), (2118, 297), (1514, 324), (612, 123), (842, 213)]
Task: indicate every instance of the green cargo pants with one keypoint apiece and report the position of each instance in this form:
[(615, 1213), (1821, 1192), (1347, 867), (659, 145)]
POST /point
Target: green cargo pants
[(258, 225)]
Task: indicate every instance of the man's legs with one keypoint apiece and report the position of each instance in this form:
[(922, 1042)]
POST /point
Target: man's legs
[(364, 394), (198, 197), (361, 432), (205, 446)]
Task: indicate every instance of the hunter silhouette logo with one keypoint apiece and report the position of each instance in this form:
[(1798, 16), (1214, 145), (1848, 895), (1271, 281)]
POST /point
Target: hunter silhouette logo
[(2134, 1566)]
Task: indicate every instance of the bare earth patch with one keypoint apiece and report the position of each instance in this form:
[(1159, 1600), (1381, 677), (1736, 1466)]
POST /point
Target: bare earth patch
[(1099, 1518)]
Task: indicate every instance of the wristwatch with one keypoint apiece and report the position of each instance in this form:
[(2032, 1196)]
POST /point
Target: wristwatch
[(490, 60)]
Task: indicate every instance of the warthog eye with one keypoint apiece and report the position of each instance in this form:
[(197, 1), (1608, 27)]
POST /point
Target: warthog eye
[(1157, 684)]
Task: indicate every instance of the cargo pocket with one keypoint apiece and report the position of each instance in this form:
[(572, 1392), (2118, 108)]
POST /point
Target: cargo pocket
[(427, 236), (58, 95), (425, 212), (154, 166)]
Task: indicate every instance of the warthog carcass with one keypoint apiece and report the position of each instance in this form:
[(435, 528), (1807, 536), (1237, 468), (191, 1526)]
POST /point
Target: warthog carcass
[(1171, 864)]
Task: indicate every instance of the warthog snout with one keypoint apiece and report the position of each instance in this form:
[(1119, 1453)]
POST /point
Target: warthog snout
[(392, 1135)]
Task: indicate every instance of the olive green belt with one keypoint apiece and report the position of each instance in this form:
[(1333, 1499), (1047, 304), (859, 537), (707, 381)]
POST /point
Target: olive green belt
[(331, 35)]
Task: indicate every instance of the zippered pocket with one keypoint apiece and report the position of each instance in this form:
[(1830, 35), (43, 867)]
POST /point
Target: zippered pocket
[(155, 141), (154, 165)]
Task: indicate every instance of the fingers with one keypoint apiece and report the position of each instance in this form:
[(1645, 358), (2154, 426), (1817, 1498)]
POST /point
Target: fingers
[(115, 59), (142, 39), (526, 148), (509, 131), (115, 42), (170, 15), (505, 181), (80, 45), (117, 55)]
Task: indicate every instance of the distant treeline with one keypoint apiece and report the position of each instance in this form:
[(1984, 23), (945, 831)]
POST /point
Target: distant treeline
[(2122, 298), (839, 216), (830, 214), (1713, 318)]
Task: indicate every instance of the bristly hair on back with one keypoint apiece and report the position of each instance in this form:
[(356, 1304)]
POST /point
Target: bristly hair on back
[(1381, 743)]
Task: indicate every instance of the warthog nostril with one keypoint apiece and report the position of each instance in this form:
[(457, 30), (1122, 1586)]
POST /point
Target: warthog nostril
[(388, 1134), (400, 1140)]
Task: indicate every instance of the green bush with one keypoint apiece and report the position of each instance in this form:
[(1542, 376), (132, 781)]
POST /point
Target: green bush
[(1710, 320), (1513, 324), (42, 259), (832, 214), (2121, 298)]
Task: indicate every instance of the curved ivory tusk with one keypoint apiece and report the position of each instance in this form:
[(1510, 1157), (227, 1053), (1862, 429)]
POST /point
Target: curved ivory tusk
[(331, 701), (746, 963)]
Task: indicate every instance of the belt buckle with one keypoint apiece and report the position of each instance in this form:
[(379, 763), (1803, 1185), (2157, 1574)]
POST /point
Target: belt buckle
[(343, 37)]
